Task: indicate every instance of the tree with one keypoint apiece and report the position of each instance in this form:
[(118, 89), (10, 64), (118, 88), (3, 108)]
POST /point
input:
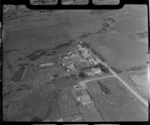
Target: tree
[(82, 74), (36, 119), (104, 68), (73, 76)]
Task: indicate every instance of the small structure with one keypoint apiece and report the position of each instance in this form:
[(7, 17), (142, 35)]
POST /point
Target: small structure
[(83, 84), (67, 60), (69, 53), (77, 118), (60, 120), (92, 61), (94, 71), (81, 42), (81, 95), (68, 118), (77, 87), (68, 70), (46, 64), (85, 99), (84, 52), (86, 55), (79, 46), (81, 65), (46, 120), (71, 67)]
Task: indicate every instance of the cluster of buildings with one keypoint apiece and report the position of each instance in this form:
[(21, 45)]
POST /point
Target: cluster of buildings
[(81, 59), (86, 105), (87, 110), (77, 104)]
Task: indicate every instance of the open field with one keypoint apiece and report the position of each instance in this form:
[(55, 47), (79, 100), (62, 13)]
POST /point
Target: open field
[(111, 40), (34, 37), (139, 81), (123, 53), (115, 102)]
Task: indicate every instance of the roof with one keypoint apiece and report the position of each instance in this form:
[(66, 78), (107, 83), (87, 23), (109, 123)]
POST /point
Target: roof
[(85, 99)]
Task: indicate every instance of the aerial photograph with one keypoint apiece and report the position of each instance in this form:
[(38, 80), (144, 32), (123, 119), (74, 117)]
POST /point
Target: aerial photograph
[(84, 65)]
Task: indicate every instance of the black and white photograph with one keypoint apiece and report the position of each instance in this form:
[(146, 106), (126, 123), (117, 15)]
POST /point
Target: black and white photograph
[(75, 65)]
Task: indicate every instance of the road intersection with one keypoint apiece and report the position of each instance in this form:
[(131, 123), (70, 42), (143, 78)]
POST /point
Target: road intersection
[(115, 75)]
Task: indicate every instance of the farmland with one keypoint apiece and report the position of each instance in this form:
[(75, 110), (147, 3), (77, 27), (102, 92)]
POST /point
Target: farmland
[(118, 104), (39, 47)]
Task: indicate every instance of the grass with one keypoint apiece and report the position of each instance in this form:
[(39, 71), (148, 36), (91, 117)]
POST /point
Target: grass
[(87, 45), (36, 54), (62, 45), (116, 70), (137, 68), (18, 74)]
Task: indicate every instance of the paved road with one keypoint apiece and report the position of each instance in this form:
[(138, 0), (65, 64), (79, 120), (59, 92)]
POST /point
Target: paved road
[(121, 80), (129, 87), (133, 86)]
